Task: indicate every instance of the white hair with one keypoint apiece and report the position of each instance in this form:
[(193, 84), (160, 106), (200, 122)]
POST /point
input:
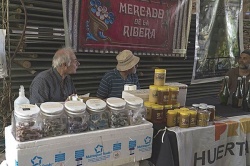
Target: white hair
[(62, 56)]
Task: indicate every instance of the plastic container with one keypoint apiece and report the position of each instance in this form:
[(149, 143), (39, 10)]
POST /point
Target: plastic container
[(153, 94), (173, 94), (136, 110), (157, 113), (27, 124), (148, 107), (171, 118), (160, 77), (54, 119), (77, 116), (118, 112), (193, 118), (163, 95), (98, 114), (184, 119), (21, 99)]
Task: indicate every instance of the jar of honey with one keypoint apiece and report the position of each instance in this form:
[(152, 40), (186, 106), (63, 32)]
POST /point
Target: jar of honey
[(173, 94), (211, 108), (184, 119), (153, 93), (148, 107), (163, 95), (160, 77), (165, 112), (171, 118), (193, 118), (157, 113)]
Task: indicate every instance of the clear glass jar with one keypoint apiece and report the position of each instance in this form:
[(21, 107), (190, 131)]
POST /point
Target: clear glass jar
[(77, 116), (136, 110), (27, 124), (54, 119), (118, 112), (98, 114)]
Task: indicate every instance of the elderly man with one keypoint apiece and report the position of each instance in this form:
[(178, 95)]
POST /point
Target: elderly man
[(55, 84), (242, 70), (112, 83)]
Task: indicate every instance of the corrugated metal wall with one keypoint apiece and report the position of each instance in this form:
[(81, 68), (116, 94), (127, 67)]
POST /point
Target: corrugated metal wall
[(44, 35)]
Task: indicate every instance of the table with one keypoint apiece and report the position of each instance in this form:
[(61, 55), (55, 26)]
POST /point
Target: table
[(165, 146)]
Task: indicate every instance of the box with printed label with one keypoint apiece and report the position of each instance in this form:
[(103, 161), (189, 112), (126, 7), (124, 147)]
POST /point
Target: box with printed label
[(104, 147)]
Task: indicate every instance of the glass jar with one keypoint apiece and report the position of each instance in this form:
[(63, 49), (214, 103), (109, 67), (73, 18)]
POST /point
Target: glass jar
[(118, 112), (211, 108), (98, 114), (162, 95), (203, 116), (136, 110), (171, 118), (153, 93), (77, 116), (196, 106), (148, 107), (54, 120), (27, 124), (160, 77), (157, 113), (173, 94)]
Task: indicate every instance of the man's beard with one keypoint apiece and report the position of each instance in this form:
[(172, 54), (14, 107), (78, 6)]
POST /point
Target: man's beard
[(244, 67)]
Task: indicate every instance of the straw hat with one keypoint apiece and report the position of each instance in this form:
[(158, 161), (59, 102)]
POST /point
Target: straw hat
[(126, 60)]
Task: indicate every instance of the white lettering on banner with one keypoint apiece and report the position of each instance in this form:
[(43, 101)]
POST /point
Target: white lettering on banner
[(141, 11), (210, 156), (130, 31)]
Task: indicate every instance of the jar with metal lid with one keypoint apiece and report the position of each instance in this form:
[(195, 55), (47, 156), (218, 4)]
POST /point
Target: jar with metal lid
[(136, 110), (54, 119), (193, 118), (160, 77), (171, 118), (157, 113), (196, 106), (184, 119), (153, 93), (98, 114), (211, 108), (203, 116), (163, 95), (173, 94), (27, 124), (118, 112), (77, 116), (148, 107)]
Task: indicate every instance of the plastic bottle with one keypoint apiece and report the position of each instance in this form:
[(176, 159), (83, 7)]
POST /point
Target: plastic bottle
[(21, 98)]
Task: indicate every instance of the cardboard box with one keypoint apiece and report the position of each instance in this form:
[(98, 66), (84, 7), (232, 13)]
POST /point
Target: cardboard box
[(104, 147), (181, 98), (142, 93)]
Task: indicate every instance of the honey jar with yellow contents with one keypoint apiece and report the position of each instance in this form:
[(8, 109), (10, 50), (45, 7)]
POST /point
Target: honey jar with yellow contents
[(193, 118), (163, 95), (173, 94), (148, 107), (160, 77), (184, 119), (153, 93), (171, 118)]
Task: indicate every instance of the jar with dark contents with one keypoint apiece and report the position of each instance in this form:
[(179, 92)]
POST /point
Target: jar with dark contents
[(54, 119), (136, 110), (173, 94), (98, 114), (211, 108), (27, 123), (163, 95), (157, 114), (77, 116), (118, 112)]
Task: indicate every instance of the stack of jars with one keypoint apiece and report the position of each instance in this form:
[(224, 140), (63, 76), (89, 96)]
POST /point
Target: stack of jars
[(161, 98)]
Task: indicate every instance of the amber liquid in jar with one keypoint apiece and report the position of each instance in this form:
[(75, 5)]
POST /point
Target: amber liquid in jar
[(153, 93), (148, 106), (163, 95), (171, 118), (157, 113), (184, 119), (173, 94), (159, 77)]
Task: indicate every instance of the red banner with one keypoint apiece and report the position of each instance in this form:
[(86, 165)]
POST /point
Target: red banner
[(155, 26)]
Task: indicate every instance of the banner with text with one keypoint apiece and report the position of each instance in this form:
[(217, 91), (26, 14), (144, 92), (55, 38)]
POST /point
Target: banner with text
[(151, 27), (225, 144)]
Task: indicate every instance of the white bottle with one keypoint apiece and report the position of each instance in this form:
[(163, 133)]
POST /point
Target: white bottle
[(21, 98)]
